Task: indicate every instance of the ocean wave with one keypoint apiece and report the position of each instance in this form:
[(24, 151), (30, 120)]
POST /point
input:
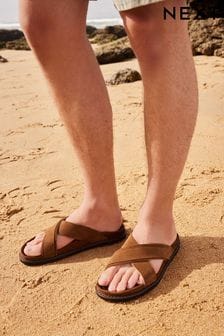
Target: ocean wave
[(98, 23), (13, 25)]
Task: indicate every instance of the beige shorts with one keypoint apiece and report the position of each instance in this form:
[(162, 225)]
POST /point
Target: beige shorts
[(129, 4)]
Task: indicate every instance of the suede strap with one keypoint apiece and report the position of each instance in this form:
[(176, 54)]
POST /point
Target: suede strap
[(75, 231), (141, 252), (49, 241), (80, 232), (139, 256)]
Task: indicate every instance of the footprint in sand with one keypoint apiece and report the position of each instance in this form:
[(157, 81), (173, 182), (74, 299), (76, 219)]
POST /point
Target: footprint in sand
[(12, 211), (181, 189), (202, 196), (51, 211), (53, 185), (6, 157), (222, 219)]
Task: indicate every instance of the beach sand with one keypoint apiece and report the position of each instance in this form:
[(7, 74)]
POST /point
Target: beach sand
[(40, 180)]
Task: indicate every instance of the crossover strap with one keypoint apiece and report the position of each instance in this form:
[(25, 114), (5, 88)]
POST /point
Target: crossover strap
[(146, 270), (80, 232), (49, 246), (141, 252), (64, 228), (139, 256)]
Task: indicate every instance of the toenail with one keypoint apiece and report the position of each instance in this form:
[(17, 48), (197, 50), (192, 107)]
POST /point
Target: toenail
[(103, 277), (120, 289)]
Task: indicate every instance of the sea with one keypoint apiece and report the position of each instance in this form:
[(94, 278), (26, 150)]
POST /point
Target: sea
[(101, 13)]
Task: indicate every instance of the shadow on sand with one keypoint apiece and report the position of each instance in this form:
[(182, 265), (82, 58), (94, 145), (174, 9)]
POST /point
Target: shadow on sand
[(195, 253)]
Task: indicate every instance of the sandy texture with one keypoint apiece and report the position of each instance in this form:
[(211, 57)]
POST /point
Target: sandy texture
[(40, 180)]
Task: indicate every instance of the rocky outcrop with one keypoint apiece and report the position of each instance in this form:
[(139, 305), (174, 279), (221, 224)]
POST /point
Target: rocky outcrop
[(124, 76), (207, 33), (107, 34), (113, 52), (207, 36), (207, 8), (13, 39), (10, 35), (20, 44), (112, 44), (90, 31)]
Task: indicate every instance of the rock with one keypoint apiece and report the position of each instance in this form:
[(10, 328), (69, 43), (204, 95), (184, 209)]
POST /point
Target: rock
[(125, 76), (3, 59), (102, 38), (219, 52), (20, 44), (208, 8), (117, 30), (90, 31), (115, 51), (13, 39), (10, 35), (107, 34), (207, 36)]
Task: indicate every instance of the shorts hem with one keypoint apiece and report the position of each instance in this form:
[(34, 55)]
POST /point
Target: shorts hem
[(129, 4)]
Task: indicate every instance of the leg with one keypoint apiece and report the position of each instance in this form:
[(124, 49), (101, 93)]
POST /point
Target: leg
[(56, 33), (170, 108)]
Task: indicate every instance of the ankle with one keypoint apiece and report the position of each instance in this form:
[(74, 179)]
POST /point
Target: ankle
[(147, 233), (159, 226), (155, 217), (100, 205), (100, 200), (97, 215)]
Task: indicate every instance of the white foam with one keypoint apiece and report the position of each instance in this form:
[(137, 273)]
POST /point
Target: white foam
[(10, 26), (98, 23)]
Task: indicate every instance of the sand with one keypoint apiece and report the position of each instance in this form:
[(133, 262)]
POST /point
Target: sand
[(40, 180)]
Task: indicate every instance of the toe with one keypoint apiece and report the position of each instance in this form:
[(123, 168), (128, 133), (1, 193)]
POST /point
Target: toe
[(140, 280), (38, 238), (107, 276), (123, 284), (133, 279), (40, 235), (32, 251), (116, 279), (34, 241)]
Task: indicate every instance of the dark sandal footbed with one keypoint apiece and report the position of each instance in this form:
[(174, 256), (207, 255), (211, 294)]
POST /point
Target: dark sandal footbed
[(139, 290), (83, 236)]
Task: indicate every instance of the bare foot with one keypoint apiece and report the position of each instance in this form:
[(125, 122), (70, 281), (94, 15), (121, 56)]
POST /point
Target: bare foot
[(98, 218), (119, 278)]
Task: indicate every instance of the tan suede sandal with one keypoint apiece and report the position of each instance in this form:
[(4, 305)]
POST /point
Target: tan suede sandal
[(84, 238), (139, 255)]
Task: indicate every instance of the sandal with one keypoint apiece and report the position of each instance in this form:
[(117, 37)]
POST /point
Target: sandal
[(84, 238), (139, 255)]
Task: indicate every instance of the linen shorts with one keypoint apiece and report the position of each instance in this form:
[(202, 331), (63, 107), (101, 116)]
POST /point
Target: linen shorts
[(129, 4)]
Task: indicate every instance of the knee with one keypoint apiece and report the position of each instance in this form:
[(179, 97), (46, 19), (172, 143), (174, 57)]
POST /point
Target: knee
[(149, 33), (149, 19), (36, 25), (137, 24), (45, 25), (145, 34)]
